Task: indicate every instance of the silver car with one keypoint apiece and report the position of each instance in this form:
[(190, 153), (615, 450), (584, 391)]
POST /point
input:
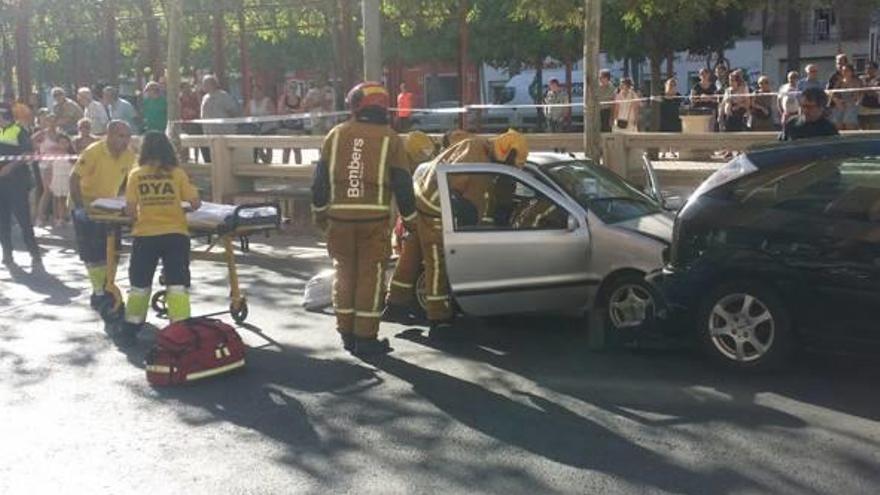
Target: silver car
[(592, 252)]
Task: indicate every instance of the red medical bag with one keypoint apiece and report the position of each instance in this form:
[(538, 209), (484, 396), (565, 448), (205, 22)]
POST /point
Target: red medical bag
[(192, 349)]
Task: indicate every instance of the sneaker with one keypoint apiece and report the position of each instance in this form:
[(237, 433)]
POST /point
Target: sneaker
[(126, 335), (440, 330), (370, 346), (347, 341), (396, 313)]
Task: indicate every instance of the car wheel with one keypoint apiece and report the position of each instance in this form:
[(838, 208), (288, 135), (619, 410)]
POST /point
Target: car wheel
[(631, 303), (745, 326)]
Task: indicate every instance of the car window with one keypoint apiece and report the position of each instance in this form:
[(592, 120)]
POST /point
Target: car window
[(841, 188), (498, 202)]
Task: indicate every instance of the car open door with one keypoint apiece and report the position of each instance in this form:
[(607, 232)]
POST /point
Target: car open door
[(532, 255)]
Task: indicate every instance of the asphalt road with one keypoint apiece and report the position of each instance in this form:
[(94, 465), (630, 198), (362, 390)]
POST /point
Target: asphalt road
[(511, 406)]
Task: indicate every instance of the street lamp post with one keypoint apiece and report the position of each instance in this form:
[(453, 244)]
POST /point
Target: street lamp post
[(372, 16)]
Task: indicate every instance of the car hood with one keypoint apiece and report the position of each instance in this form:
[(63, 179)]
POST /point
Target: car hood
[(658, 226)]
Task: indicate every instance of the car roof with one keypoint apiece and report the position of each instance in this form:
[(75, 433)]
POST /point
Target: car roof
[(542, 158), (813, 149)]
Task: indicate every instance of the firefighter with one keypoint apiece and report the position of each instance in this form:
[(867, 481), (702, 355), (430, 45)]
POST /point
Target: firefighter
[(469, 192), (363, 161), (400, 305), (153, 197), (15, 184)]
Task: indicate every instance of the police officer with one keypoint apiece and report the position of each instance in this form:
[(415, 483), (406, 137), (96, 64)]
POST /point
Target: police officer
[(15, 184), (363, 161), (401, 295), (477, 192)]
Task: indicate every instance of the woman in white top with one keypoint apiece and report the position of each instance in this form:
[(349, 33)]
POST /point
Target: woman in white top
[(787, 102), (626, 107), (46, 143), (260, 106), (736, 104)]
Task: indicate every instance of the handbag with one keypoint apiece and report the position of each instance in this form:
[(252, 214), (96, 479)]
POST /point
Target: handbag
[(622, 124), (194, 349)]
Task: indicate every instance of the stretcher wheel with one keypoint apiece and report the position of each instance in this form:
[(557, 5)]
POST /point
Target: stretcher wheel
[(239, 314), (158, 303)]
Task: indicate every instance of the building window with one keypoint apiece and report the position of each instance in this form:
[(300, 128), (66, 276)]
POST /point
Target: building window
[(823, 20)]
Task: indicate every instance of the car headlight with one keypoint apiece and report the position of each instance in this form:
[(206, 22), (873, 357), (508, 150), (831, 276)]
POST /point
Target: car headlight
[(739, 167)]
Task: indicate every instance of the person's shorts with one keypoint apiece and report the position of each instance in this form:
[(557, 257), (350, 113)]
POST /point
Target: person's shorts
[(172, 249), (847, 115), (91, 241)]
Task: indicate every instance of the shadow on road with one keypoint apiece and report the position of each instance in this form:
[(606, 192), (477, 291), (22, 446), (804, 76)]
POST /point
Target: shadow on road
[(42, 282)]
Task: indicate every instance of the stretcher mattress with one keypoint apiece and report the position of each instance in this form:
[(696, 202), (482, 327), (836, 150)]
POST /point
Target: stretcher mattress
[(210, 217)]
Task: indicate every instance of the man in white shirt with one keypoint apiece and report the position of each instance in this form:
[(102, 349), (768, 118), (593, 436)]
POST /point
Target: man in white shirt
[(787, 102), (217, 104), (118, 108), (93, 110)]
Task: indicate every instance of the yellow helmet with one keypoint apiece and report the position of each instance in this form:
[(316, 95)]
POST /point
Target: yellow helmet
[(509, 142), (419, 147)]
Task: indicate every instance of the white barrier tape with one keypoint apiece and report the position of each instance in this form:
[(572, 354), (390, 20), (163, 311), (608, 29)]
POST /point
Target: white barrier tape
[(37, 158), (489, 106)]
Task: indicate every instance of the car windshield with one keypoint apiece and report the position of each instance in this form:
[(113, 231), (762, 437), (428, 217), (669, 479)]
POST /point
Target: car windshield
[(599, 190)]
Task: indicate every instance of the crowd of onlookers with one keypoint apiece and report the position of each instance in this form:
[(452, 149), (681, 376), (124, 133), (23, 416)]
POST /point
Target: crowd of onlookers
[(735, 105)]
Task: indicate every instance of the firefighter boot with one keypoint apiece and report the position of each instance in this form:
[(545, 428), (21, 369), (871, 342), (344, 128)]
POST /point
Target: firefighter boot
[(370, 346)]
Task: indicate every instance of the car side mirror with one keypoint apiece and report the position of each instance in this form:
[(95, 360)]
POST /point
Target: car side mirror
[(673, 203), (572, 224)]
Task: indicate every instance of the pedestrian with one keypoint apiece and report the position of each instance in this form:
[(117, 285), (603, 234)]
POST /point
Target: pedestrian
[(60, 185), (119, 108), (313, 103), (99, 172), (704, 96), (93, 110), (787, 98), (475, 194), (606, 94), (155, 108), (290, 103), (811, 80), (67, 112), (363, 162), (216, 104), (626, 107), (190, 106), (153, 196), (670, 107), (84, 137), (846, 97), (46, 143), (15, 184), (869, 112), (557, 115), (762, 107), (840, 63), (736, 104), (261, 106), (812, 121), (722, 78), (328, 104), (404, 108)]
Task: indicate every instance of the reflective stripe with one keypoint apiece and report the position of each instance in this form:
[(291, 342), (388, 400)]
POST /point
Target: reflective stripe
[(10, 134), (155, 368), (436, 298), (426, 201), (178, 289), (215, 371), (318, 209), (344, 311), (365, 314), (333, 147), (401, 284), (360, 207), (436, 283), (383, 157), (139, 290), (544, 215), (411, 217), (377, 291)]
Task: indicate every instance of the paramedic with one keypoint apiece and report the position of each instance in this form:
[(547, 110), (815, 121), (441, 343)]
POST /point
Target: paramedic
[(362, 162), (153, 197)]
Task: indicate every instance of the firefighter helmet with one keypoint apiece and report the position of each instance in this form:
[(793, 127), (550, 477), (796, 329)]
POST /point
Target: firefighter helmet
[(506, 144), (367, 94)]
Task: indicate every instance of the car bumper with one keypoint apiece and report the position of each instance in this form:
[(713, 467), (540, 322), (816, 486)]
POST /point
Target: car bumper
[(676, 294)]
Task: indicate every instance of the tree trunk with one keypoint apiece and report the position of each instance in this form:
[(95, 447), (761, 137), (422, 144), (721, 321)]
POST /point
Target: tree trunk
[(151, 58), (538, 98), (243, 55), (23, 48), (346, 45), (592, 117), (793, 37), (463, 7), (174, 15), (8, 62), (656, 89), (111, 46), (219, 46), (670, 64)]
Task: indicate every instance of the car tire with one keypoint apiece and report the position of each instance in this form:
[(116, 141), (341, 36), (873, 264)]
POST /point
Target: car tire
[(629, 304), (745, 326)]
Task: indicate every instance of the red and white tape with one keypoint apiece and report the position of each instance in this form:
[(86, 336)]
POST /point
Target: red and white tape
[(37, 158)]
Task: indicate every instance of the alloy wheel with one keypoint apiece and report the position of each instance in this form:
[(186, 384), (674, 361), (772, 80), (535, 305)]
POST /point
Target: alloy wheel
[(741, 327), (629, 305)]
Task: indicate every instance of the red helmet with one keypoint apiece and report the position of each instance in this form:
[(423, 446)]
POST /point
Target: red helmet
[(367, 94)]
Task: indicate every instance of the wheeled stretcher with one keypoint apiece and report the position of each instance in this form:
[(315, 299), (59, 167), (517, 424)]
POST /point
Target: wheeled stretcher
[(215, 222)]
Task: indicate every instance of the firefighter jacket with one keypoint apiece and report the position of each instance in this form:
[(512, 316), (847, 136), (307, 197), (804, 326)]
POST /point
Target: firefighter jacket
[(475, 188), (361, 165)]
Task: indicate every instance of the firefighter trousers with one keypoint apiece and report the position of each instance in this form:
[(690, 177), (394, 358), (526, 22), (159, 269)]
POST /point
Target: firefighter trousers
[(360, 250), (403, 284), (430, 234)]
